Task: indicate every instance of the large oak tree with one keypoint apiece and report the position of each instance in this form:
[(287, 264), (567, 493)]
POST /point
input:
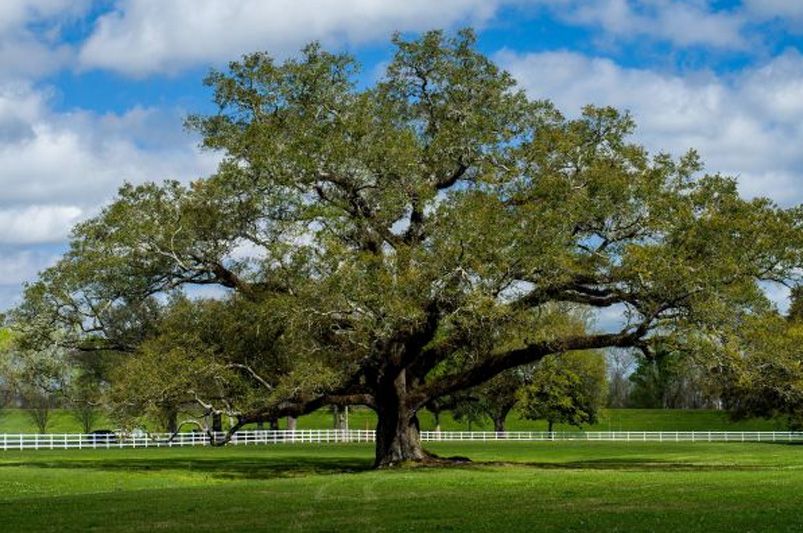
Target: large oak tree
[(419, 235)]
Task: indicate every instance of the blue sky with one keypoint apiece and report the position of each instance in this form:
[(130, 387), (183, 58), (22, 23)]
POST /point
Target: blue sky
[(93, 93)]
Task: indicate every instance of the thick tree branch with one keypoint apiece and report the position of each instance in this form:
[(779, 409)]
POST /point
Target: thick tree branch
[(494, 364)]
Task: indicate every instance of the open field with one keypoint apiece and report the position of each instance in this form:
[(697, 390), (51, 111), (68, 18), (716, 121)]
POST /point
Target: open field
[(510, 486), (16, 421)]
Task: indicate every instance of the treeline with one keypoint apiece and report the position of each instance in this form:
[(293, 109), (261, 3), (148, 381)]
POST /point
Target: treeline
[(670, 380), (567, 389)]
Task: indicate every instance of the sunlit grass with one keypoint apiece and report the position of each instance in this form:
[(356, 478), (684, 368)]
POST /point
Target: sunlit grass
[(510, 486)]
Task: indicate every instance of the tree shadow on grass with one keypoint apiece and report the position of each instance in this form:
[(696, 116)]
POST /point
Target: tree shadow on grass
[(246, 468), (634, 464), (260, 465)]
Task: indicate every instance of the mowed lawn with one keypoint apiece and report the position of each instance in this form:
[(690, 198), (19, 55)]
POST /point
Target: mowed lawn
[(510, 486)]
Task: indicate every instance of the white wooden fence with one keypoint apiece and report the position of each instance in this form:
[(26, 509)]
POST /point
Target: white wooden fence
[(62, 441)]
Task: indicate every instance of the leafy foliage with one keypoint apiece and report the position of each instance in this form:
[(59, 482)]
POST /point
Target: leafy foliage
[(672, 379), (765, 376), (399, 243), (568, 388)]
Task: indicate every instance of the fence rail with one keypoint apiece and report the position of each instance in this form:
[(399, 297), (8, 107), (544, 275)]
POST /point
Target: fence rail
[(62, 441)]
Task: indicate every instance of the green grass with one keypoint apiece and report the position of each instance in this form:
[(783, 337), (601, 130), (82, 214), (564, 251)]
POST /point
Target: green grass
[(17, 421), (609, 420), (61, 421), (511, 486)]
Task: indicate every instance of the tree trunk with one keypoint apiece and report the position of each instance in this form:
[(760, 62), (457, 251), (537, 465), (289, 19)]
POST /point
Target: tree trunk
[(340, 417), (274, 424), (260, 424), (500, 416), (550, 422), (291, 423), (171, 419), (217, 422), (397, 431)]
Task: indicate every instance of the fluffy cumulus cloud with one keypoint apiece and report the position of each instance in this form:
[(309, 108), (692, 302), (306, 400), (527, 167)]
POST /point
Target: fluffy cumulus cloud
[(748, 124), (682, 23), (37, 223), (79, 158), (144, 36), (59, 167), (28, 52)]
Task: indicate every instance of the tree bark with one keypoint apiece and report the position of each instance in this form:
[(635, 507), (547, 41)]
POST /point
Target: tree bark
[(217, 422), (291, 423), (500, 416), (397, 431), (339, 413), (171, 419)]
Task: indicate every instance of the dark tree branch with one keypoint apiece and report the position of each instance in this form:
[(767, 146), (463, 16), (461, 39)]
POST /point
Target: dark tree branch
[(498, 363)]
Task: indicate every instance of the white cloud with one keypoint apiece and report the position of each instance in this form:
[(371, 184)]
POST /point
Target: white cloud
[(790, 11), (25, 52), (79, 158), (145, 36), (37, 223), (17, 13), (749, 124), (19, 266), (780, 294), (682, 23), (57, 168)]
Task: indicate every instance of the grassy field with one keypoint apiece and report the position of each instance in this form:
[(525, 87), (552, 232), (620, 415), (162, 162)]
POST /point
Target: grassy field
[(510, 486), (16, 421), (609, 420)]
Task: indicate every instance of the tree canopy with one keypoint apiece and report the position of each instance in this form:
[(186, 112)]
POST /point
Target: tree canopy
[(569, 389), (391, 244)]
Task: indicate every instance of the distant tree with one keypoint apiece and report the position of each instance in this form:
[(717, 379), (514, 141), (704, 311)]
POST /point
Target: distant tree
[(764, 377), (38, 407), (499, 395), (437, 407), (492, 400), (83, 400), (86, 415), (620, 364), (470, 411), (340, 415), (567, 389), (670, 379), (6, 385)]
